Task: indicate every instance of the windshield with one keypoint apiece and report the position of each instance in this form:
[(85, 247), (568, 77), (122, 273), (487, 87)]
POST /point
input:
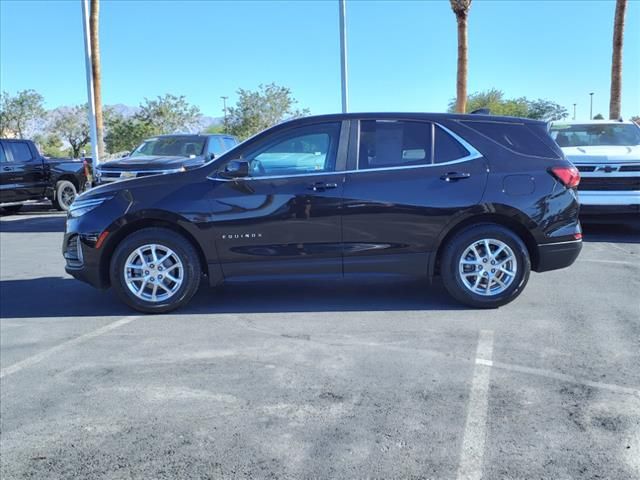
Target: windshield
[(184, 146), (592, 135)]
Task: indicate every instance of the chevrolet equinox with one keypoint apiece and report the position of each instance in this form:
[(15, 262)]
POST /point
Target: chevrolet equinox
[(475, 199)]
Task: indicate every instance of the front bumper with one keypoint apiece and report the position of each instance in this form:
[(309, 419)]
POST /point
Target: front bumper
[(609, 198), (556, 255), (82, 259)]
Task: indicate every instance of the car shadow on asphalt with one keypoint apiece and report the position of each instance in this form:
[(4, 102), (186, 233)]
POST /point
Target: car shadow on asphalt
[(65, 297), (611, 233)]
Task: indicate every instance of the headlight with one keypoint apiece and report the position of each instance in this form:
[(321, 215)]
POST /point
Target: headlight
[(81, 206)]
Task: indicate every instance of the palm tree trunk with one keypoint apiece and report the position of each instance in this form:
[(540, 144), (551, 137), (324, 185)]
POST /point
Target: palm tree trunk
[(94, 14), (461, 83), (616, 60)]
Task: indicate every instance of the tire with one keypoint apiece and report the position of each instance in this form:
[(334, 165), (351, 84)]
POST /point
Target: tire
[(469, 286), (11, 209), (170, 295), (66, 192)]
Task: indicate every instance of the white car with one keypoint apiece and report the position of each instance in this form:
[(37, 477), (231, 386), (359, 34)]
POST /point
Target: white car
[(607, 154)]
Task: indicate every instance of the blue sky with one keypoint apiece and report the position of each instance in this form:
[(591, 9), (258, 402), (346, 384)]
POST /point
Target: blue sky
[(402, 55)]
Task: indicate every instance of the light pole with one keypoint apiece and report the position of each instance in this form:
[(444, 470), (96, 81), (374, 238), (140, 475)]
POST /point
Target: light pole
[(591, 106), (224, 107), (343, 54), (93, 133), (574, 111)]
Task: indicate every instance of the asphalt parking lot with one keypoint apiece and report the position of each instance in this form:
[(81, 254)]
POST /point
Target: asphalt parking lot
[(320, 380)]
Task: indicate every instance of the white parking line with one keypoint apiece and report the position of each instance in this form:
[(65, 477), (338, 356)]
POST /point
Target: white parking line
[(558, 376), (28, 362), (474, 432), (619, 262)]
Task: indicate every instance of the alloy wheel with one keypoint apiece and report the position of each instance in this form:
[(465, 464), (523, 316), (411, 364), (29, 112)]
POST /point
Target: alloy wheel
[(487, 267), (153, 272)]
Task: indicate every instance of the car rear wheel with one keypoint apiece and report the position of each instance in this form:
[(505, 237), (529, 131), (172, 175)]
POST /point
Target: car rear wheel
[(155, 270), (485, 266), (66, 193)]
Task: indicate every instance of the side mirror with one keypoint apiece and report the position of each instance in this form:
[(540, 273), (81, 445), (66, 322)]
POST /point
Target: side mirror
[(236, 169)]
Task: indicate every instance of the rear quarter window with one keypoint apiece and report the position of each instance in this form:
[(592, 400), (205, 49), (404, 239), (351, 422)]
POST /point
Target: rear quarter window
[(518, 137)]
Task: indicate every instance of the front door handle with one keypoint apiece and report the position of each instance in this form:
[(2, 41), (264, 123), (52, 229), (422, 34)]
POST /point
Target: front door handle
[(7, 169), (321, 186), (454, 176)]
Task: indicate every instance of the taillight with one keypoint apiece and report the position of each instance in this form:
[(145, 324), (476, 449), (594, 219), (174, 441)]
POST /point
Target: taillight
[(568, 176)]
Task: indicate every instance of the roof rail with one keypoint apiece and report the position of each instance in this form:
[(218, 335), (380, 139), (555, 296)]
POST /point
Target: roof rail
[(481, 111)]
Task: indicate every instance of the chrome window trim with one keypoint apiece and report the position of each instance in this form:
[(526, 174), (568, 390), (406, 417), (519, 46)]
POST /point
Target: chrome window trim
[(119, 172), (560, 243), (473, 154)]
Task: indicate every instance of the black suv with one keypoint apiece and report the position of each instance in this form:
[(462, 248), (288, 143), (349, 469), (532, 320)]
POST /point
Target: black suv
[(165, 154), (476, 199)]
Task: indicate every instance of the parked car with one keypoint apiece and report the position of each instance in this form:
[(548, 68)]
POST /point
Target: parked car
[(26, 177), (607, 154), (165, 154), (476, 199)]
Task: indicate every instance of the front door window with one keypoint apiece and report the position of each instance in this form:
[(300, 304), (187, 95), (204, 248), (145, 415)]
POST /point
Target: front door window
[(304, 150)]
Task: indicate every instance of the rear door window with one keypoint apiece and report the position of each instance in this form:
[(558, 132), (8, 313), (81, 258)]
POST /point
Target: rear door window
[(20, 151), (447, 148), (389, 144), (3, 158)]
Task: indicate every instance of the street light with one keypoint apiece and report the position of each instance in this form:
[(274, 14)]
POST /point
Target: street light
[(591, 107), (224, 107), (574, 111)]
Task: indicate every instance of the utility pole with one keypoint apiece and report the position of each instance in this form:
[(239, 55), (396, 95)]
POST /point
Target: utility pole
[(224, 107), (574, 111), (88, 64), (343, 54), (591, 107)]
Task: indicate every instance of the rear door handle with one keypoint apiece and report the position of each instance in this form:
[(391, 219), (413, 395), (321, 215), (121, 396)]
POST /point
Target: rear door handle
[(454, 176), (321, 186), (7, 169)]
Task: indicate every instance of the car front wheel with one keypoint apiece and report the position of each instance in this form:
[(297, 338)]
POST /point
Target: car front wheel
[(485, 266), (155, 270)]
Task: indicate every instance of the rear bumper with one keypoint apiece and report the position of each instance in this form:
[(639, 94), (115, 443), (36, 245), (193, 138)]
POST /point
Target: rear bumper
[(553, 256)]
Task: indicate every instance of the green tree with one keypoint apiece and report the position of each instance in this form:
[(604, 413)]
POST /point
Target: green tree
[(546, 110), (125, 134), (20, 113), (169, 114), (495, 101), (261, 109), (215, 129), (49, 145), (599, 116), (72, 125)]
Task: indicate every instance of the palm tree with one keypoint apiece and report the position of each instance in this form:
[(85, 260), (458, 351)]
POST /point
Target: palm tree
[(616, 60), (461, 10), (94, 14)]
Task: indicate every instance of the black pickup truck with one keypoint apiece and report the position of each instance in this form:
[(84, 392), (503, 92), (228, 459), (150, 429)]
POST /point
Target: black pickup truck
[(26, 176)]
